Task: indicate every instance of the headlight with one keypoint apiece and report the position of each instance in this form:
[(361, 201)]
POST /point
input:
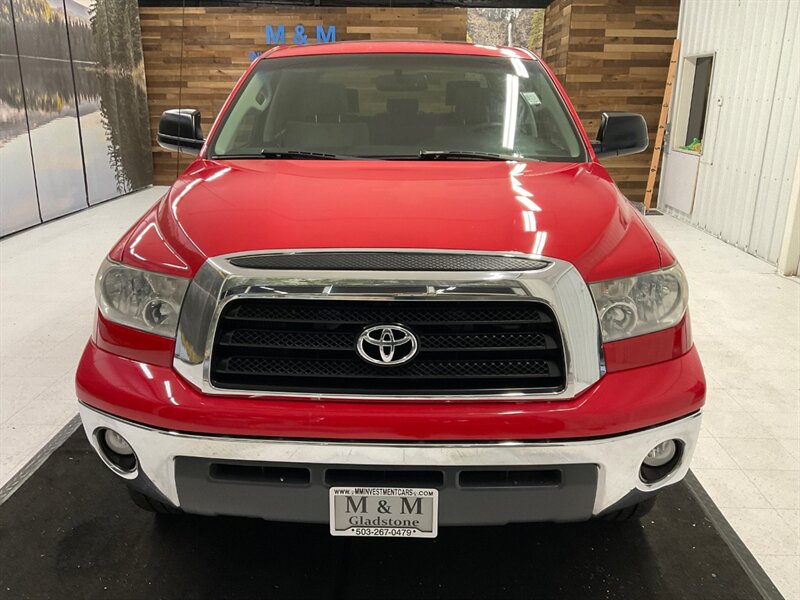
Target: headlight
[(641, 304), (140, 299)]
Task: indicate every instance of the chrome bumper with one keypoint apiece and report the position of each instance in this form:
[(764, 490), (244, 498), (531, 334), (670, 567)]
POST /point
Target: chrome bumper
[(618, 458)]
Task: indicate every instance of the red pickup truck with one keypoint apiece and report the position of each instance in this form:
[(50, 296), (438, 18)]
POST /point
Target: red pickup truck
[(394, 290)]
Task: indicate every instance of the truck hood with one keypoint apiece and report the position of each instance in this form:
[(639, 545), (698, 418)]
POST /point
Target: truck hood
[(572, 212)]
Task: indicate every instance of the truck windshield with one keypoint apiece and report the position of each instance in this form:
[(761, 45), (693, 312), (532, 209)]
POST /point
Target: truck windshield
[(398, 106)]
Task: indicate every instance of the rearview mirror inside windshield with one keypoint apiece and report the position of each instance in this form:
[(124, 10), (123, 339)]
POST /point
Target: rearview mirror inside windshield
[(401, 82)]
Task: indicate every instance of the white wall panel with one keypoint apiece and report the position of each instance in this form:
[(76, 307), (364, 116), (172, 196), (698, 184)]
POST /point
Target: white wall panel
[(783, 145), (752, 134)]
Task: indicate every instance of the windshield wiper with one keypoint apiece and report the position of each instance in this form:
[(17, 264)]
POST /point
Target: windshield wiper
[(464, 155), (288, 155), (301, 154)]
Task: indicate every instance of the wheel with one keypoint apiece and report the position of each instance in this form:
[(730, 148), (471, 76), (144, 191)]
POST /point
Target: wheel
[(151, 504), (629, 513)]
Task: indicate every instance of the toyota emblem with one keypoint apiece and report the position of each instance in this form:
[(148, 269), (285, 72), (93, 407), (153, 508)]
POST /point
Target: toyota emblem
[(387, 345)]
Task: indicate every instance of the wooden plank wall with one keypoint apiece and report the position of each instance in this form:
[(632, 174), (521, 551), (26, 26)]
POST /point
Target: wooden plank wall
[(217, 42), (614, 56), (555, 37)]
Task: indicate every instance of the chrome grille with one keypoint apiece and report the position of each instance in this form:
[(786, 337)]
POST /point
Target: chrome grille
[(207, 339)]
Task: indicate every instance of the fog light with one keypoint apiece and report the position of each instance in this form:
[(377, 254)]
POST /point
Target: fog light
[(117, 453), (661, 461), (661, 454), (117, 443)]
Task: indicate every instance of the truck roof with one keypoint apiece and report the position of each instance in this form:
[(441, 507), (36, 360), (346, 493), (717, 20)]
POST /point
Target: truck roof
[(399, 47)]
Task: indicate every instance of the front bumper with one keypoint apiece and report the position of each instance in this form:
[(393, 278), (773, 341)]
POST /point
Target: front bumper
[(596, 475)]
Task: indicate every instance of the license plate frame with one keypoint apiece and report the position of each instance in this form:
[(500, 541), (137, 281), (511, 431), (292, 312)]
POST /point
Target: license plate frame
[(377, 511)]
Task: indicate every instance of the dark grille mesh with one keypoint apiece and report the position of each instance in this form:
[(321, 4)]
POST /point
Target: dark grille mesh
[(280, 367), (465, 347), (290, 339), (465, 341), (388, 261), (321, 340), (343, 312)]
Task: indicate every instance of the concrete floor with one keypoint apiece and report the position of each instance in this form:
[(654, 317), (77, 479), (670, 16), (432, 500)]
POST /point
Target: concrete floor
[(746, 323), (47, 308)]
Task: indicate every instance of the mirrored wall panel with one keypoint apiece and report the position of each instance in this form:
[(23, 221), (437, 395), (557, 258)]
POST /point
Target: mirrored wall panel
[(109, 80), (50, 100), (18, 204), (73, 97)]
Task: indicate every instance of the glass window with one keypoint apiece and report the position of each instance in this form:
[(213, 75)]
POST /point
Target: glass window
[(395, 106), (697, 111), (694, 91)]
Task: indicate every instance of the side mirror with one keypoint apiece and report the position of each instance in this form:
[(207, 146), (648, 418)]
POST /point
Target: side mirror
[(179, 130), (620, 133)]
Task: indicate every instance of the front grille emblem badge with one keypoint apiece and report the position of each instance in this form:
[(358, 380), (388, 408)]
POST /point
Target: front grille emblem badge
[(387, 345)]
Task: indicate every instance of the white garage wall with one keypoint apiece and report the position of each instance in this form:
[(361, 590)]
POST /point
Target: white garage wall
[(753, 121)]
